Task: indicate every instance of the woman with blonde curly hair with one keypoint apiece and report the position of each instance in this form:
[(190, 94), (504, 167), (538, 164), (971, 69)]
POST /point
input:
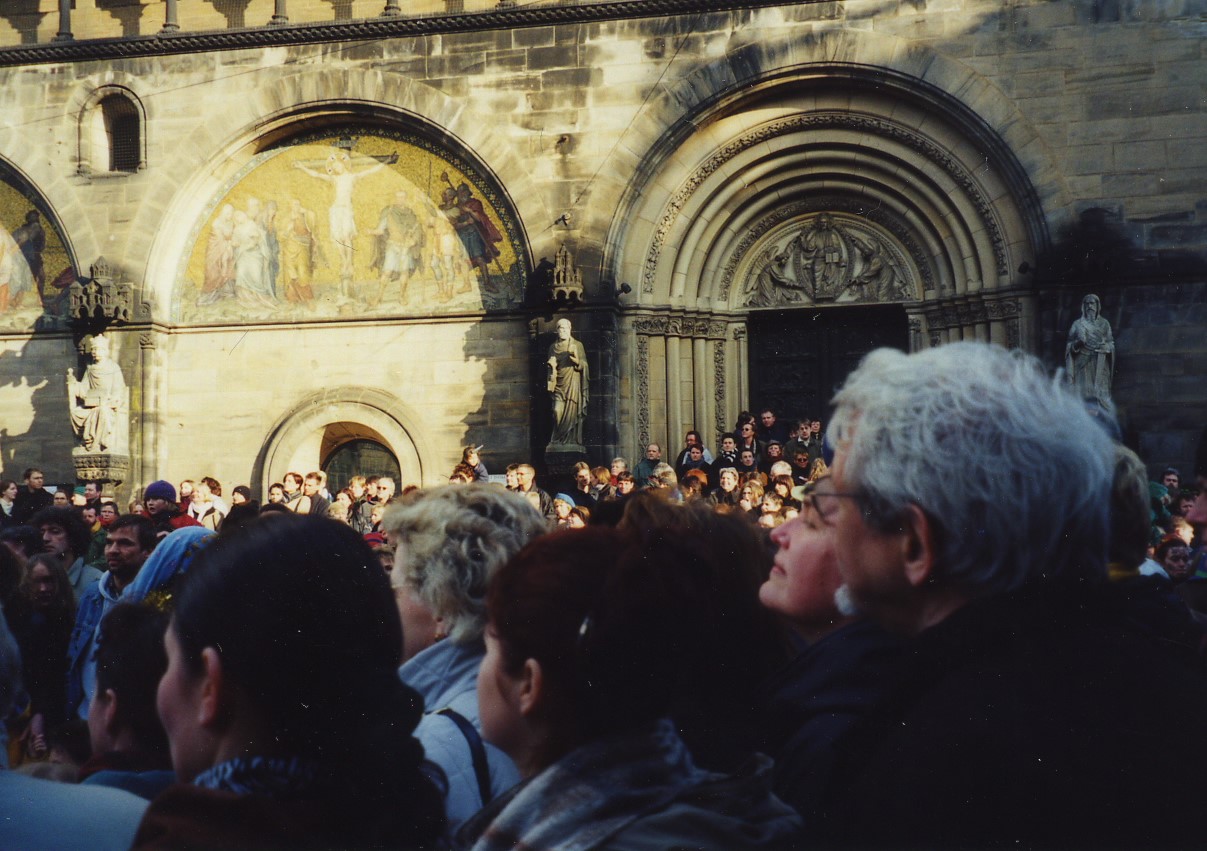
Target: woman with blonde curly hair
[(449, 542)]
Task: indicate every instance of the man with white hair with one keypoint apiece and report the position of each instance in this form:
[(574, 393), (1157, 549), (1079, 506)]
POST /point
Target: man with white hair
[(970, 512)]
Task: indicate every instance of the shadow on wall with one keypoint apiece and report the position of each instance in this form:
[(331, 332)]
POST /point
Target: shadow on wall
[(127, 14), (25, 16), (33, 389)]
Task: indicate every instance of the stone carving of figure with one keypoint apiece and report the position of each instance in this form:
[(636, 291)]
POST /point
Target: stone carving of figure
[(1090, 353), (568, 382), (823, 248), (99, 400)]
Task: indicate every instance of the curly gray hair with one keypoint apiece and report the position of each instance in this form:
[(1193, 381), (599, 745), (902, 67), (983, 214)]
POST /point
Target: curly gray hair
[(1002, 458), (451, 540)]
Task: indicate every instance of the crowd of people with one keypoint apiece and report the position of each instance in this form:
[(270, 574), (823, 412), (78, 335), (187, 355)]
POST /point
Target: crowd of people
[(958, 618)]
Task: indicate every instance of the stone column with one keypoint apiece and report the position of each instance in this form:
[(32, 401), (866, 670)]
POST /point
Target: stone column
[(279, 16), (64, 33), (674, 387), (170, 22), (702, 397)]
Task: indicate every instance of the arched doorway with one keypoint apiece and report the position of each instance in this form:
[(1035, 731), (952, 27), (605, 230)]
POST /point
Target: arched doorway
[(799, 358), (356, 456), (312, 433)]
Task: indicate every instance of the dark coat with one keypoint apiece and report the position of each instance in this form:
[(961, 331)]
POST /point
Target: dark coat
[(1031, 720), (815, 702)]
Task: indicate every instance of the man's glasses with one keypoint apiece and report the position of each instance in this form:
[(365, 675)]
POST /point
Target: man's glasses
[(825, 502)]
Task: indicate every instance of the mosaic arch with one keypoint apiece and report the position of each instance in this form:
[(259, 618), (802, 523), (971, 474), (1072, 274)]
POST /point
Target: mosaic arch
[(35, 267), (340, 225)]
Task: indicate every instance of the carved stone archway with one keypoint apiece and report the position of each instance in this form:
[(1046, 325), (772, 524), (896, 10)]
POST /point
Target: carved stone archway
[(296, 440), (845, 186)]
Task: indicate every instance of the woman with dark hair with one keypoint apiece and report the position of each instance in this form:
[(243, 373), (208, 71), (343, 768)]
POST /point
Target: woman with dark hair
[(282, 703), (42, 624), (591, 635), (8, 496)]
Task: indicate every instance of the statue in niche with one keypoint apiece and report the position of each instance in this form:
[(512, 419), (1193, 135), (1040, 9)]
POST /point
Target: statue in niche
[(1090, 353), (568, 383), (827, 261), (99, 401)]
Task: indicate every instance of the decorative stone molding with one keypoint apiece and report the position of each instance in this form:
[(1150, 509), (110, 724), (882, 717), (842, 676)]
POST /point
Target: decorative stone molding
[(101, 467), (872, 126), (679, 326), (643, 389), (718, 379), (173, 42)]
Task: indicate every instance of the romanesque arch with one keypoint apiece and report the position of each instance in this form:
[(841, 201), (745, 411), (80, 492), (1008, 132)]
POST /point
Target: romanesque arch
[(818, 184), (295, 442)]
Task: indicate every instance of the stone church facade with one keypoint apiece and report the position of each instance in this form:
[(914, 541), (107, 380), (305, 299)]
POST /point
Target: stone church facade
[(325, 222)]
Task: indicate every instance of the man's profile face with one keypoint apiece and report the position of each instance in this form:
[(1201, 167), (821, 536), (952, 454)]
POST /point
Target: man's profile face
[(89, 515), (872, 563), (525, 477), (310, 487), (91, 491)]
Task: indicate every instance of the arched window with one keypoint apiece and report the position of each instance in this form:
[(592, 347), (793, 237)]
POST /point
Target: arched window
[(122, 132), (112, 129)]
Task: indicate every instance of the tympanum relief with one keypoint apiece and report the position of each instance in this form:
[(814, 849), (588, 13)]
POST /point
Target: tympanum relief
[(828, 259)]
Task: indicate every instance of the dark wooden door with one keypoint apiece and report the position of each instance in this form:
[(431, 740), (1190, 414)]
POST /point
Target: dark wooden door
[(799, 358)]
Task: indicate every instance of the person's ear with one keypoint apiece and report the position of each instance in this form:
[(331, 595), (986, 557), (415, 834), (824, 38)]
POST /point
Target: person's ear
[(530, 690), (106, 705), (918, 545), (214, 689)]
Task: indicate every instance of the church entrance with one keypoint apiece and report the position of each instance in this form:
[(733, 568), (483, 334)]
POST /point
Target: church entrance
[(799, 358)]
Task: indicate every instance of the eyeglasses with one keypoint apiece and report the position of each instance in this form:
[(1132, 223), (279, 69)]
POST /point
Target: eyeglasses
[(825, 503)]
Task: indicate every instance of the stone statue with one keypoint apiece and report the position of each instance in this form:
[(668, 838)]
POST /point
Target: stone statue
[(1090, 353), (99, 402), (568, 383)]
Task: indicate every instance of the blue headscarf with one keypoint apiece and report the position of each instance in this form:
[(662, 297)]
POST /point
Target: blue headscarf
[(170, 560)]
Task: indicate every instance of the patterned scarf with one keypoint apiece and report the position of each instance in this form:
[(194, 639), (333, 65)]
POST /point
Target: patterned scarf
[(589, 795)]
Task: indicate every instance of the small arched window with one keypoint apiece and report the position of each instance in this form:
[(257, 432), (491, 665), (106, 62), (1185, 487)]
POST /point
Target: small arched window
[(122, 133)]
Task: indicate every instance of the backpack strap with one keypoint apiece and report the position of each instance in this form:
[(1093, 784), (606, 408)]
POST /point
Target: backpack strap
[(476, 748)]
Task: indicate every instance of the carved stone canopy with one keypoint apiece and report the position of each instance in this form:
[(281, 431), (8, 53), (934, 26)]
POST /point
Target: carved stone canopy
[(101, 297), (567, 278), (827, 258)]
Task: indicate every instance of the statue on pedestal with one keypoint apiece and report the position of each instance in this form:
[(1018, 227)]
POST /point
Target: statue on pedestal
[(568, 383), (1090, 353), (99, 402)]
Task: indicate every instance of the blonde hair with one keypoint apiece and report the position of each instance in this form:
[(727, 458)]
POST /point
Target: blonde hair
[(451, 540)]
